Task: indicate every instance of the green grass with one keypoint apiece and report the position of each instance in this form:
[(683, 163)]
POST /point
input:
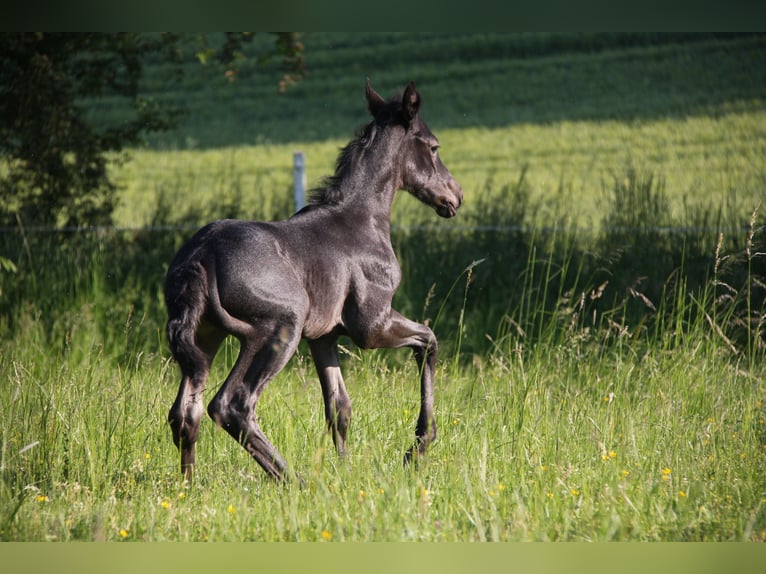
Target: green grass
[(601, 377), (577, 424), (574, 442), (470, 79), (567, 166)]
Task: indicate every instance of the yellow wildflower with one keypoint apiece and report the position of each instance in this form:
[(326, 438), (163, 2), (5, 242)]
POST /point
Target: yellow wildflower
[(41, 498), (326, 535), (123, 533)]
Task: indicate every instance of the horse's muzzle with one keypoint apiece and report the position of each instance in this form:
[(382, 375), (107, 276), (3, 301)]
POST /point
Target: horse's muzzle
[(447, 210), (449, 204)]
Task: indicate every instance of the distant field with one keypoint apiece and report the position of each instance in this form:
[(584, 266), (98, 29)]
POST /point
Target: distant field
[(710, 161), (468, 79)]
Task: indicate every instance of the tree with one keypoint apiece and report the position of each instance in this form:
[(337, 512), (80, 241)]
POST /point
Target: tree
[(53, 158)]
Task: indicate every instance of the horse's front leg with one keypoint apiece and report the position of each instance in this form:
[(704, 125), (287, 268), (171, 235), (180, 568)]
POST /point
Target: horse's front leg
[(397, 332), (425, 431)]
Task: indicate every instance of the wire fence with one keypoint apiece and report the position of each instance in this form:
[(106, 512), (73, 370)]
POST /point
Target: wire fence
[(299, 193)]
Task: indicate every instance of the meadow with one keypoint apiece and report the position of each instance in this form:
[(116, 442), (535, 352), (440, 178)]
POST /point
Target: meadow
[(600, 303)]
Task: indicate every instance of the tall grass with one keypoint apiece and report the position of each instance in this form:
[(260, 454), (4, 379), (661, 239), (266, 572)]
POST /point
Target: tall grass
[(607, 388), (570, 442)]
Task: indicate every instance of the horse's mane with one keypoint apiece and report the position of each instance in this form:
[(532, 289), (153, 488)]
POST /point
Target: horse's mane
[(330, 190)]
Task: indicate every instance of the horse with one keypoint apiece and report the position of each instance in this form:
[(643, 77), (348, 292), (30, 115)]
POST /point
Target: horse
[(327, 271)]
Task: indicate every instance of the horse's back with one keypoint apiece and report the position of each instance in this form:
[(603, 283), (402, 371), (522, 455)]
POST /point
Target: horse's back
[(228, 242), (248, 270)]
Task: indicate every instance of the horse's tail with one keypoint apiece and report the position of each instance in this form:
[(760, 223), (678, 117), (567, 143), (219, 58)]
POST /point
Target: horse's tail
[(186, 296)]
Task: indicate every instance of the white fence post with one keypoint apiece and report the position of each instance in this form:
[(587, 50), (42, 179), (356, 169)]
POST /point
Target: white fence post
[(299, 180)]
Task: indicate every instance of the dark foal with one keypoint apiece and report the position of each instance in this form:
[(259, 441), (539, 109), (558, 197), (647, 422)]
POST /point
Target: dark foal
[(327, 271)]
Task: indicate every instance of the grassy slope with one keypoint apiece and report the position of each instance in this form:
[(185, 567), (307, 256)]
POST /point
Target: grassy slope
[(489, 80), (575, 110)]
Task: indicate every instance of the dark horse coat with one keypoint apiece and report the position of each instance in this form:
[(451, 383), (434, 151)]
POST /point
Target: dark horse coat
[(327, 271)]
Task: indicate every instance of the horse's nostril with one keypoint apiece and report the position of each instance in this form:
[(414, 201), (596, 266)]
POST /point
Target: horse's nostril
[(457, 191), (447, 208)]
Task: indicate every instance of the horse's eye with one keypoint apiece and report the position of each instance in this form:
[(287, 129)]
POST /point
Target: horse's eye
[(434, 148)]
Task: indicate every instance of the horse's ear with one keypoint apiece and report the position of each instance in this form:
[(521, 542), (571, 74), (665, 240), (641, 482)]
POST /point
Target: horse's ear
[(374, 102), (410, 102)]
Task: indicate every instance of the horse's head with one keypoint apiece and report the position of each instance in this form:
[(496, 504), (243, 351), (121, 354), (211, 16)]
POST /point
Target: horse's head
[(422, 172)]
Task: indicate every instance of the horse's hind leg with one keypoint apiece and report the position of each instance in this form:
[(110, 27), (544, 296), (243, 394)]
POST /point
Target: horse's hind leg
[(233, 407), (185, 414), (337, 404)]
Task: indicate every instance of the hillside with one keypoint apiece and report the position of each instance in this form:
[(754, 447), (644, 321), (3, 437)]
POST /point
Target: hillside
[(468, 79)]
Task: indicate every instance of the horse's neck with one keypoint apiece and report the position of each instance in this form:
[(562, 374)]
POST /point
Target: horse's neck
[(371, 194)]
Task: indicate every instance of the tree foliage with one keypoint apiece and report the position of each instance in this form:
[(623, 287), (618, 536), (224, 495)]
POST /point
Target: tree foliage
[(53, 157)]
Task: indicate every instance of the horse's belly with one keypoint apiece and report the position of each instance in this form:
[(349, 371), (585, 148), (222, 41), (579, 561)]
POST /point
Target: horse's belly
[(323, 319)]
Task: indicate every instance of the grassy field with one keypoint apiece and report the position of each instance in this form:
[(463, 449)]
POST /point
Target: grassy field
[(568, 169), (600, 303), (491, 79), (656, 441)]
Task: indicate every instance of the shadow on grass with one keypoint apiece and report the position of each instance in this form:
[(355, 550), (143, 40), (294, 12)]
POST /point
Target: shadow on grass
[(644, 273)]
